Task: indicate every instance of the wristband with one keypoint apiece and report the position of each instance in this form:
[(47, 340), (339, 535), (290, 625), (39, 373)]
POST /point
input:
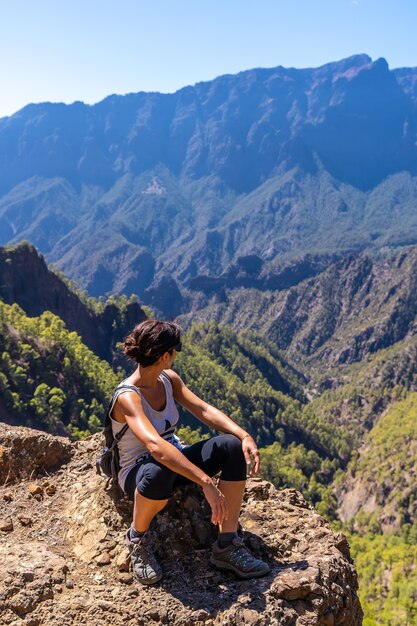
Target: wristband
[(245, 437)]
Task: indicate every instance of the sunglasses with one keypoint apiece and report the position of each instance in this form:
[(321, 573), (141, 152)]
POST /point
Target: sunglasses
[(177, 347)]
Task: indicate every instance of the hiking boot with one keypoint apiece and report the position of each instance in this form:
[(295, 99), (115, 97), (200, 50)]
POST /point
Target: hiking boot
[(237, 558), (144, 564)]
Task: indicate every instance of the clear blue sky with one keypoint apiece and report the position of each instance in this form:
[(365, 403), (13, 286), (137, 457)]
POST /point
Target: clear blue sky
[(86, 49)]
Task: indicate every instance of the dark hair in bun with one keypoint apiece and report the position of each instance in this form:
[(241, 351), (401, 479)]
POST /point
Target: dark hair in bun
[(150, 339)]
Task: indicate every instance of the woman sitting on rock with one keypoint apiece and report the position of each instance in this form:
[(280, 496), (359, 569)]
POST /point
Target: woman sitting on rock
[(153, 461)]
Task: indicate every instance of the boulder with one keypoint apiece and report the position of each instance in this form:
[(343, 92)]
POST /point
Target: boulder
[(70, 565), (24, 452)]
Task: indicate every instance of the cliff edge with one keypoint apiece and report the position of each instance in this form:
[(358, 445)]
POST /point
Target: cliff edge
[(62, 559)]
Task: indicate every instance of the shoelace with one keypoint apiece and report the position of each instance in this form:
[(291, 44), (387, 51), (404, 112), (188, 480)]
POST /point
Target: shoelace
[(241, 555), (145, 557)]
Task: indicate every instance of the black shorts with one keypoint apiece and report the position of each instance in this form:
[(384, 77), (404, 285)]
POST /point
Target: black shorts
[(155, 481)]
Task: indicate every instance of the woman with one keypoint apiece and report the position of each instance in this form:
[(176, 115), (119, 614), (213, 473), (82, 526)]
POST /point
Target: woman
[(153, 461)]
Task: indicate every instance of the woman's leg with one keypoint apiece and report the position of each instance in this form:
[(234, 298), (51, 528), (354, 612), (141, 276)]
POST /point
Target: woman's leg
[(229, 552), (154, 484), (233, 492), (224, 454), (152, 487), (144, 510)]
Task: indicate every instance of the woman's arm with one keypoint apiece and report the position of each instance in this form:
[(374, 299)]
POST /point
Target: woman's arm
[(129, 405), (214, 418)]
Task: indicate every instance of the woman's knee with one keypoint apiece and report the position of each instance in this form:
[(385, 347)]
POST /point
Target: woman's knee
[(234, 467), (156, 482), (233, 445)]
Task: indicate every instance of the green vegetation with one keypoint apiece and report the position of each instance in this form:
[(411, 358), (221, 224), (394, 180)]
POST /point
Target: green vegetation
[(48, 378), (190, 435), (297, 467), (391, 447), (386, 560), (212, 365), (387, 568), (387, 467)]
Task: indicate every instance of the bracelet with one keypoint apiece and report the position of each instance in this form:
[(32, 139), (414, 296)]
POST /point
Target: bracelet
[(245, 437)]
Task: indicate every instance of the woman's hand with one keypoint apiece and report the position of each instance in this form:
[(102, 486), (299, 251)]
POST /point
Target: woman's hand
[(217, 502), (251, 453)]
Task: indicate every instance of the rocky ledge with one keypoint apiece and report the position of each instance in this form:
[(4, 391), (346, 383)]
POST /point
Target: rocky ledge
[(62, 560)]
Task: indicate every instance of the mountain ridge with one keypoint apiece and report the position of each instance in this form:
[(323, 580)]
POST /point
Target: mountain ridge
[(25, 279), (356, 306), (269, 163)]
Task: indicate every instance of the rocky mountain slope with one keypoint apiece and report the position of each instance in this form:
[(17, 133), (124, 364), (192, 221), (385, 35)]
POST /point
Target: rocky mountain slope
[(355, 307), (26, 280), (235, 179), (62, 560), (380, 482)]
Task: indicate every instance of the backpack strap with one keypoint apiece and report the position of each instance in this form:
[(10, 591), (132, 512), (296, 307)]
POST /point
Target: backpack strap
[(107, 422), (115, 395)]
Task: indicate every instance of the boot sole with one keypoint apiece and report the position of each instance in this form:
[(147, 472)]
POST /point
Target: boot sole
[(146, 581), (231, 568)]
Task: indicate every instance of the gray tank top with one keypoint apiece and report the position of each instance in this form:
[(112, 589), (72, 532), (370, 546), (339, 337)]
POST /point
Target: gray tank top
[(131, 449)]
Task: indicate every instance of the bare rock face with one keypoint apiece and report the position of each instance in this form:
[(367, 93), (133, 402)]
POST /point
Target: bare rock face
[(64, 561), (25, 451)]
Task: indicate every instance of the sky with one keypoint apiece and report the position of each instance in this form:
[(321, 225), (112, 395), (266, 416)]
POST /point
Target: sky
[(88, 49)]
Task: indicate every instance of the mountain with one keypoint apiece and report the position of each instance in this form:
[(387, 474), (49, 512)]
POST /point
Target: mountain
[(26, 280), (48, 378), (264, 177), (357, 306), (380, 484), (51, 380)]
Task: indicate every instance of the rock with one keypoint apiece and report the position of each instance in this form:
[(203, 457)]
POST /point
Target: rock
[(81, 602), (199, 616), (312, 583), (25, 520), (7, 496), (125, 578), (84, 467), (191, 504), (35, 489), (6, 525), (250, 616), (50, 490), (25, 451), (294, 585), (23, 603), (103, 559), (123, 561)]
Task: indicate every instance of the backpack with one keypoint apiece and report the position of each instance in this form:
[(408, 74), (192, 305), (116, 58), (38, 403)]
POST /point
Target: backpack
[(108, 462)]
